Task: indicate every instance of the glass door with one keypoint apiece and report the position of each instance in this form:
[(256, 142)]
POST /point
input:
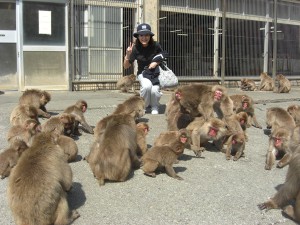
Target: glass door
[(8, 46)]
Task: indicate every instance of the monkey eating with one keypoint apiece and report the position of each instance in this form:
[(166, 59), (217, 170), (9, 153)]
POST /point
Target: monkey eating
[(248, 85), (38, 99), (78, 111)]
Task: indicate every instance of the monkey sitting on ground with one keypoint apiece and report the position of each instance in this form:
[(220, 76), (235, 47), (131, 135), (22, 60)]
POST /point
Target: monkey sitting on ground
[(142, 130), (284, 85), (63, 124), (294, 111), (113, 153), (24, 132), (21, 113), (279, 117), (279, 148), (202, 131), (244, 103), (163, 156), (199, 99), (78, 111), (290, 190), (134, 106), (266, 82), (9, 157), (69, 147), (248, 85), (38, 184), (125, 82), (236, 138), (38, 99), (177, 117)]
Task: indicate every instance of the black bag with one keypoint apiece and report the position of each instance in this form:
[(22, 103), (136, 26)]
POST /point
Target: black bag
[(151, 74)]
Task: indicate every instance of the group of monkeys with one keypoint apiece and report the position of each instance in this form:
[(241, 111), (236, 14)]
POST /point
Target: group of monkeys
[(198, 115), (280, 84)]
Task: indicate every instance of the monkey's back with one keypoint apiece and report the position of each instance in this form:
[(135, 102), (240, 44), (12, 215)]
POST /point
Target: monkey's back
[(34, 188)]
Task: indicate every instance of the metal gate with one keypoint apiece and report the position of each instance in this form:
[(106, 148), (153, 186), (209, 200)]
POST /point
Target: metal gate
[(192, 32)]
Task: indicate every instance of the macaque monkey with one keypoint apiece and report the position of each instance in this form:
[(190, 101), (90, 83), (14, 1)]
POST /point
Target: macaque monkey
[(171, 137), (134, 106), (142, 130), (21, 113), (294, 111), (69, 147), (9, 157), (120, 118), (235, 137), (63, 124), (202, 131), (223, 108), (38, 99), (279, 117), (284, 85), (266, 82), (248, 85), (113, 153), (198, 99), (125, 82), (24, 132), (177, 117), (287, 192), (163, 156), (78, 111), (279, 141), (37, 185), (244, 103), (235, 145)]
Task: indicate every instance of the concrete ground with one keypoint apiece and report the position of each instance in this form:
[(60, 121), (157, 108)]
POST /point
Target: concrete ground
[(214, 190)]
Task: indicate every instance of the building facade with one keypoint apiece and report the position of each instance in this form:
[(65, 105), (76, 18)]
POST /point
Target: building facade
[(80, 44)]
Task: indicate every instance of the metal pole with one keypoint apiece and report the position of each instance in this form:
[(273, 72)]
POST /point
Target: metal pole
[(274, 69), (72, 51), (223, 41)]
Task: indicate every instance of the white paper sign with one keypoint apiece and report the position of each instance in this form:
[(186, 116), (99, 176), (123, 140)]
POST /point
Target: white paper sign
[(44, 22)]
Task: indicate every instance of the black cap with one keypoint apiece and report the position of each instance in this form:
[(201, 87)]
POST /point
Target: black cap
[(143, 29)]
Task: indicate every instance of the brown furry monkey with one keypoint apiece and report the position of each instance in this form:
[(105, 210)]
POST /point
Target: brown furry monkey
[(163, 156), (38, 99), (244, 103), (248, 85), (134, 106), (113, 153), (24, 132), (198, 99), (294, 111), (38, 184), (266, 82), (9, 157), (69, 147), (142, 130), (279, 147), (78, 111), (21, 113), (279, 117), (202, 131), (284, 85), (290, 190), (63, 124), (177, 117), (125, 82)]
